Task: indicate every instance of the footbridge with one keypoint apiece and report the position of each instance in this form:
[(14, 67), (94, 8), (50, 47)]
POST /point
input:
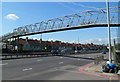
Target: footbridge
[(86, 19)]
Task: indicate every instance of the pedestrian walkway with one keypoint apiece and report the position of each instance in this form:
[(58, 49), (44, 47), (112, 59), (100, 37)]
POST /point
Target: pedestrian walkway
[(96, 69)]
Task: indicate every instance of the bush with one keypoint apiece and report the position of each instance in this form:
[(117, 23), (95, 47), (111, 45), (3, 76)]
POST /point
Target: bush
[(117, 46)]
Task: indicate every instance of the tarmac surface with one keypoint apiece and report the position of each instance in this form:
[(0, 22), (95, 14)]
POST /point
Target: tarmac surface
[(52, 68)]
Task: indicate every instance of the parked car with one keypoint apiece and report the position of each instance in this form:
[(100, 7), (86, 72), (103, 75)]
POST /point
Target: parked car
[(103, 52), (54, 51)]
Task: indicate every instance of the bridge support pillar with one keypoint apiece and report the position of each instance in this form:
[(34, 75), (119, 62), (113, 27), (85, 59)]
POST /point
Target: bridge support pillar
[(18, 44), (15, 38)]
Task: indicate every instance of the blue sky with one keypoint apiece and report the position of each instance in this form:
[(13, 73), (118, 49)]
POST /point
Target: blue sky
[(58, 0), (24, 13)]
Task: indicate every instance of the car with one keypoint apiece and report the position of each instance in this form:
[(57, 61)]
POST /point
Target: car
[(103, 52), (54, 51)]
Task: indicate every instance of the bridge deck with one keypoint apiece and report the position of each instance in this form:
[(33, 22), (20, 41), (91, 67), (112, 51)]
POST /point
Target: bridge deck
[(70, 28)]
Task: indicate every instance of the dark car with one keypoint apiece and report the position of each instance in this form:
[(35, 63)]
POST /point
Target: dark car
[(54, 51), (103, 52)]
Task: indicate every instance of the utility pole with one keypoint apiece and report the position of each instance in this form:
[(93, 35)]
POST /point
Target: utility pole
[(109, 34), (78, 39)]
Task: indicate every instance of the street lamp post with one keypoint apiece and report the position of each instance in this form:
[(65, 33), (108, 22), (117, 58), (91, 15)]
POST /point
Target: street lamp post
[(109, 35)]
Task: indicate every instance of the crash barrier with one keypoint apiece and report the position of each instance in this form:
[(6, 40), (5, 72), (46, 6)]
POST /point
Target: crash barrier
[(79, 52), (17, 55), (4, 57), (25, 55), (67, 52), (98, 59)]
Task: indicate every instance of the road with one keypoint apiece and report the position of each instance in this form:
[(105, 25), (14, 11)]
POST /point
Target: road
[(48, 68)]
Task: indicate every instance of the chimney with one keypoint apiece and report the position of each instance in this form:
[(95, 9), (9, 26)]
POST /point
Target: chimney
[(26, 39), (51, 42), (40, 40)]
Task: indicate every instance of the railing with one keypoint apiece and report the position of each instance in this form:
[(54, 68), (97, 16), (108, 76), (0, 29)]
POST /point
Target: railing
[(98, 59), (15, 55), (7, 56), (116, 49)]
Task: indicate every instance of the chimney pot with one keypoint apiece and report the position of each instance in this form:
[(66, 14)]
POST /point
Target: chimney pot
[(26, 38)]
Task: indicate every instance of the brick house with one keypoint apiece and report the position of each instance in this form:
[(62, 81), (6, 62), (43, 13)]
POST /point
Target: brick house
[(32, 45), (29, 44)]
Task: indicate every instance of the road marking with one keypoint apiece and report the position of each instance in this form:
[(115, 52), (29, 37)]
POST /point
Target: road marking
[(61, 62), (9, 60), (27, 69), (51, 66), (78, 59), (39, 60), (4, 64), (61, 57)]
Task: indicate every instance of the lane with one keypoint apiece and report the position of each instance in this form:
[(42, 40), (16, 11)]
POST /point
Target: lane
[(39, 67), (18, 62), (26, 62), (44, 68)]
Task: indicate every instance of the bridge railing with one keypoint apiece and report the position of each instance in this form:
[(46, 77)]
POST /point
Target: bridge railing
[(98, 59), (78, 19), (97, 16)]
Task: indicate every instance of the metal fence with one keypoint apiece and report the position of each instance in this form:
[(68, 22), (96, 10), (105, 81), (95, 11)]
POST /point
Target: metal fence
[(6, 56), (98, 59), (116, 48)]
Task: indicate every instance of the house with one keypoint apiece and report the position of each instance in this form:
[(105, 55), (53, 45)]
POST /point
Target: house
[(26, 44), (18, 44), (39, 45), (32, 45)]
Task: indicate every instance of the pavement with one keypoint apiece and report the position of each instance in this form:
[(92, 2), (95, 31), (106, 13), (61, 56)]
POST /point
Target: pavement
[(96, 70)]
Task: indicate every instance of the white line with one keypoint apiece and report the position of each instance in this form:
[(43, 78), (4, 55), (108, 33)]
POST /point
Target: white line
[(61, 57), (78, 59), (4, 64), (39, 60), (27, 69), (61, 62), (9, 60)]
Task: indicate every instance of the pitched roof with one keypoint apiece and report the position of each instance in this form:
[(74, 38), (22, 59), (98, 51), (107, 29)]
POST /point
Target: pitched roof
[(39, 43), (34, 43)]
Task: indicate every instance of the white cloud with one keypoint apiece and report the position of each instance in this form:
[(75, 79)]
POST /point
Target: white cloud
[(12, 17), (35, 38), (97, 41), (100, 39), (72, 41), (51, 39)]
